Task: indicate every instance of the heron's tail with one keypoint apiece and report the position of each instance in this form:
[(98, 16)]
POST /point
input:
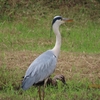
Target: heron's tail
[(27, 83)]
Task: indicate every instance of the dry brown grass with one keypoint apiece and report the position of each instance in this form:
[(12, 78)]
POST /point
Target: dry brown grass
[(81, 65)]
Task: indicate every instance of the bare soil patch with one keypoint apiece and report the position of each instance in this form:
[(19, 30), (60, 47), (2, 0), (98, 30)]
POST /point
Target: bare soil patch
[(81, 65)]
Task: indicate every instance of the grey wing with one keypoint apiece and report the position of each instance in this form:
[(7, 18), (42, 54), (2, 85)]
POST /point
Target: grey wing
[(41, 68)]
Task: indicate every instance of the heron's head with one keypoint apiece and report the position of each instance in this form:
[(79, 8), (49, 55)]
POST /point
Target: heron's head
[(59, 20)]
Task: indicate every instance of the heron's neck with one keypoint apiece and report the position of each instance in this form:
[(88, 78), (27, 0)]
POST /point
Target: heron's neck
[(57, 46)]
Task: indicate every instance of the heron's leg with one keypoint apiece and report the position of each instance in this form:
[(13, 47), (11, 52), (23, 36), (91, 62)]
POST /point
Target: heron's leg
[(39, 92), (43, 93), (45, 82)]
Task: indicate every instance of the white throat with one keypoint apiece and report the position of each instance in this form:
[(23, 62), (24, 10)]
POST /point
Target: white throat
[(57, 46)]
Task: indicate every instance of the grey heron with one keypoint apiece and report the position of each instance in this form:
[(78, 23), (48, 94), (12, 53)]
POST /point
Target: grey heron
[(44, 65)]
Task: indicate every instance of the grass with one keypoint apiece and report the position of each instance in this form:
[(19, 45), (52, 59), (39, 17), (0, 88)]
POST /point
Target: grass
[(23, 39), (83, 39), (75, 89), (18, 36)]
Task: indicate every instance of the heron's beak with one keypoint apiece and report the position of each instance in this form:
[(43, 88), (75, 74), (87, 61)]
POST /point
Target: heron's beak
[(67, 20)]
